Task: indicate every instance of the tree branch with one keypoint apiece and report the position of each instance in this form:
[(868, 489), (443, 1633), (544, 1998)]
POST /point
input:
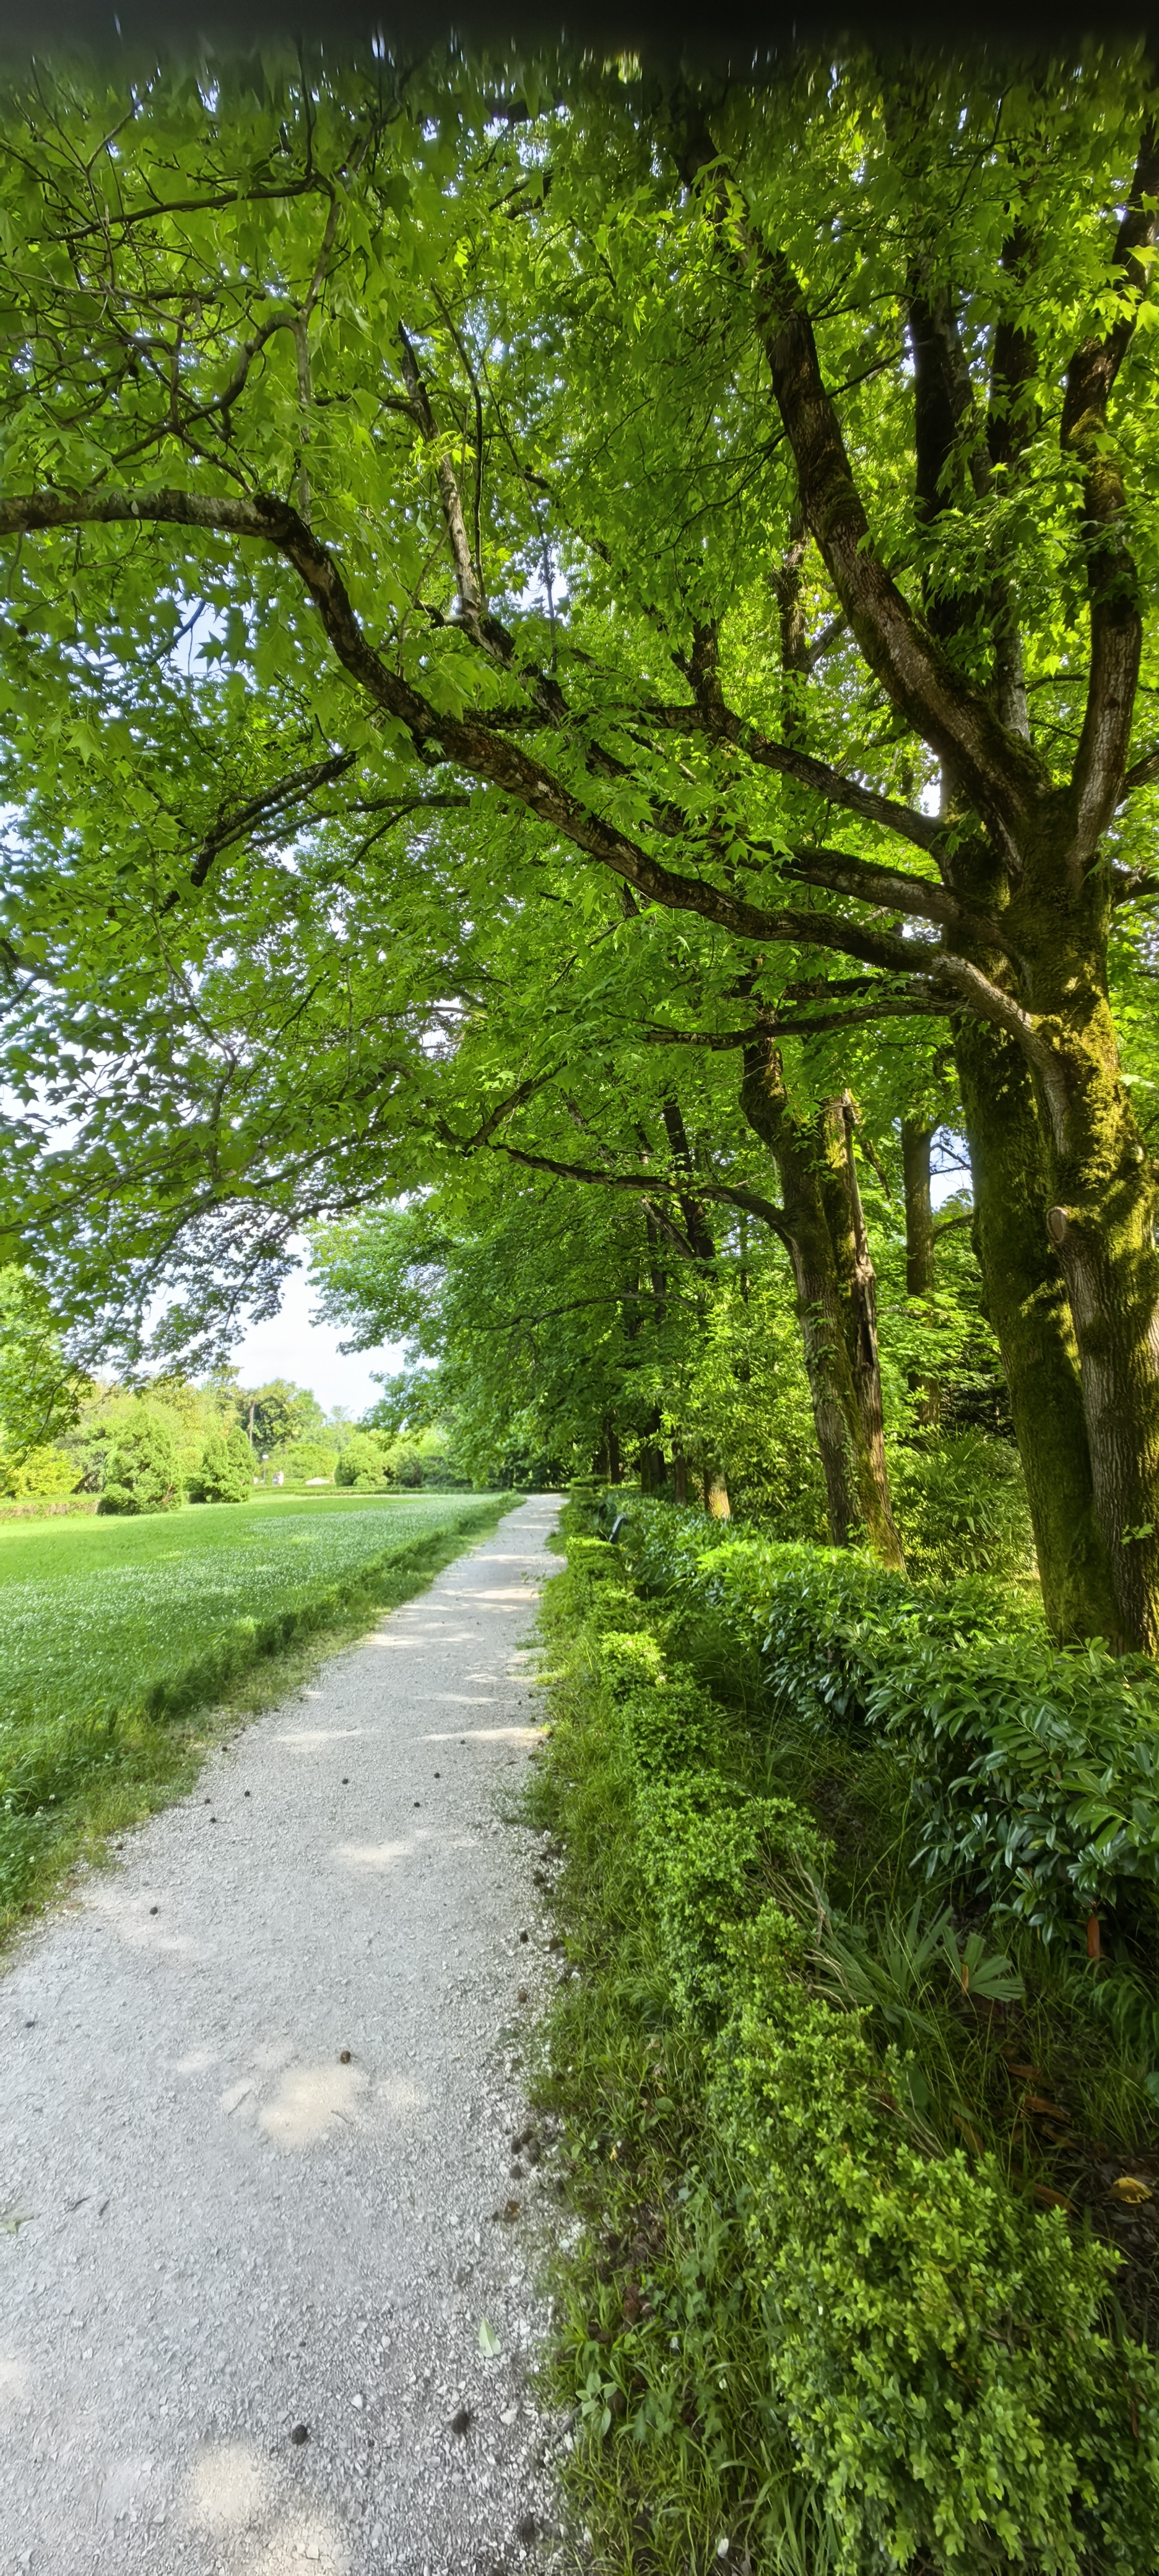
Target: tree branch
[(1003, 777), (1112, 580), (233, 826), (647, 1184), (924, 830), (496, 759)]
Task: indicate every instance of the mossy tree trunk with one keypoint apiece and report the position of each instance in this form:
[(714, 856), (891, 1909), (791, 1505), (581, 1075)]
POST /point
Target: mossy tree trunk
[(1029, 1310), (824, 1231)]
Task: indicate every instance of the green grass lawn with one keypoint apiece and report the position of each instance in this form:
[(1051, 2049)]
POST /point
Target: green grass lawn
[(112, 1631)]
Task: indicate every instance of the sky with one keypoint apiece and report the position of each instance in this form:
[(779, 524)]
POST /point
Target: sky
[(292, 1345)]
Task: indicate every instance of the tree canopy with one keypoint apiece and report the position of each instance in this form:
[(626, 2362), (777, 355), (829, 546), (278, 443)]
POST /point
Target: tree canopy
[(538, 596)]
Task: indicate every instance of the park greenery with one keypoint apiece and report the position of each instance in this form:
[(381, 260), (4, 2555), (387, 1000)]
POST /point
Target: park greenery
[(867, 2276), (579, 685), (537, 592), (166, 1440)]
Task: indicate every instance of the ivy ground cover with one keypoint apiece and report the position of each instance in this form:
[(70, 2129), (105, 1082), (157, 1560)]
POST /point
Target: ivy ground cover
[(110, 1630)]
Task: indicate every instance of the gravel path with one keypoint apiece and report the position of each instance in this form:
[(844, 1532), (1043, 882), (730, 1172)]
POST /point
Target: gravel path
[(259, 2094)]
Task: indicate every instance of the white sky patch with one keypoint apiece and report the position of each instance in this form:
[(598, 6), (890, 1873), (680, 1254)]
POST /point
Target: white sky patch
[(293, 1345)]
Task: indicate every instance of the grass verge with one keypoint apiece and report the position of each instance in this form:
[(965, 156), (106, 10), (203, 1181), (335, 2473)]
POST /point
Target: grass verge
[(72, 1781)]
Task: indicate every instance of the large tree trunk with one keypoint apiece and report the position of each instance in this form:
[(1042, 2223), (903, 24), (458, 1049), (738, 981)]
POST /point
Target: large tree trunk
[(1100, 1221), (836, 1298), (1027, 1305)]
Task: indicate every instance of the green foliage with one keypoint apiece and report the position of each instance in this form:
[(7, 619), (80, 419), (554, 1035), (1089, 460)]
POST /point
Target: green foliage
[(226, 1470), (362, 1464), (961, 1506), (46, 1471), (305, 1461), (834, 2326), (1035, 1775), (39, 1392), (144, 1472), (276, 1414)]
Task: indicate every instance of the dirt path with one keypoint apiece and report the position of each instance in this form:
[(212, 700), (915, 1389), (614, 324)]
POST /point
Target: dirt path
[(234, 2228)]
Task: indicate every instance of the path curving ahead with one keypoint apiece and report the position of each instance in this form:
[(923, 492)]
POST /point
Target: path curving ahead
[(231, 2228)]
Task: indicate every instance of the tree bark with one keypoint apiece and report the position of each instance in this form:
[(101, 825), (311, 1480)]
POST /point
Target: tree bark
[(716, 1502), (1101, 1223), (916, 1140), (1028, 1307), (836, 1298)]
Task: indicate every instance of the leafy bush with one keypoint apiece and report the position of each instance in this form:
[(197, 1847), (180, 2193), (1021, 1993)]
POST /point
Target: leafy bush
[(305, 1461), (144, 1473), (1035, 1770), (931, 2344), (362, 1464), (226, 1472), (961, 1501), (47, 1470)]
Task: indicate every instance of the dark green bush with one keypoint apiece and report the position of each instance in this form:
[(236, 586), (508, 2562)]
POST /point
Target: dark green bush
[(960, 1499), (144, 1472), (1035, 1771), (226, 1471)]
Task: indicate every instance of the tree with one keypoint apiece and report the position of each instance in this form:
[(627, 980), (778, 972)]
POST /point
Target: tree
[(39, 1392), (274, 1415), (646, 345), (143, 1470), (226, 1471), (362, 1464)]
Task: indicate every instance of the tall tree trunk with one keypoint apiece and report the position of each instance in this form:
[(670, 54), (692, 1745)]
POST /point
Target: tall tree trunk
[(916, 1140), (653, 1471), (1100, 1221), (836, 1298), (1028, 1307), (716, 1500), (679, 1475)]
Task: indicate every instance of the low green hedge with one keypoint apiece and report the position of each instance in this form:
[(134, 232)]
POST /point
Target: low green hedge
[(936, 2349), (1037, 1771)]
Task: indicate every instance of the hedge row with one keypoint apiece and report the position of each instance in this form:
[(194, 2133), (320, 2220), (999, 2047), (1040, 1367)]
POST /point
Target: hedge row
[(935, 2353), (1036, 1772)]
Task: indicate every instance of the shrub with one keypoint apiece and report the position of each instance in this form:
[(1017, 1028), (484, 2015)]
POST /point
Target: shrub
[(934, 2352), (308, 1460), (362, 1464), (143, 1470), (961, 1500), (226, 1472), (1035, 1770), (46, 1470)]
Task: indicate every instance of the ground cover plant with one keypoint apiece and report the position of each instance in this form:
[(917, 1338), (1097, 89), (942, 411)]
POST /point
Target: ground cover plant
[(112, 1632), (864, 2165)]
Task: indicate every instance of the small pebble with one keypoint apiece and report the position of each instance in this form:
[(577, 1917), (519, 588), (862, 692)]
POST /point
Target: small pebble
[(344, 2057)]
